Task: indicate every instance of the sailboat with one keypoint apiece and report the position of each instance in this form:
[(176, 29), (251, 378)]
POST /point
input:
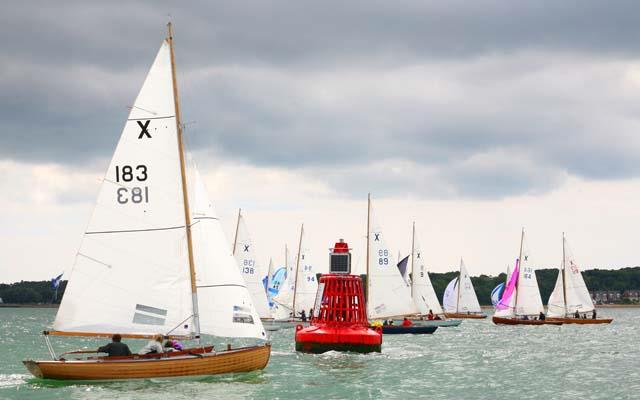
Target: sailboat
[(570, 294), (298, 293), (521, 303), (388, 294), (422, 292), (154, 259), (460, 300), (243, 251)]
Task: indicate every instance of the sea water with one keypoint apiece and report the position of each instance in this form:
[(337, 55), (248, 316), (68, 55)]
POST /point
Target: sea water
[(477, 360)]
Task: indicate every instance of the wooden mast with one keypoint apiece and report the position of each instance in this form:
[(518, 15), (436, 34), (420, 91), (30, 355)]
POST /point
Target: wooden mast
[(235, 238), (564, 277), (515, 305), (368, 232), (295, 283), (185, 195)]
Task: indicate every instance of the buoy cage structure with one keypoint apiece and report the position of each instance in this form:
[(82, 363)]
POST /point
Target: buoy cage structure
[(339, 321)]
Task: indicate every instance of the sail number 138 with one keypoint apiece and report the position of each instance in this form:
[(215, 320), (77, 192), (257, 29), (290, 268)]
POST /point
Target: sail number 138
[(137, 194)]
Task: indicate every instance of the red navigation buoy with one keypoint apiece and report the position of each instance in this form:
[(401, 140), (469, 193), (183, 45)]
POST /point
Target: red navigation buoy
[(339, 321)]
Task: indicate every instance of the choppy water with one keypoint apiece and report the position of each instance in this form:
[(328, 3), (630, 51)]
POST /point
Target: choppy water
[(477, 360)]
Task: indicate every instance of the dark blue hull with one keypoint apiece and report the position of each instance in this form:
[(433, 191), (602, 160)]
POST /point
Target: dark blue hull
[(415, 329)]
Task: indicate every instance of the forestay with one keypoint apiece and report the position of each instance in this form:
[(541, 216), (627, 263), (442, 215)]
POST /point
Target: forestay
[(307, 283), (577, 294), (528, 301), (467, 299), (131, 273), (389, 294), (424, 296), (250, 269), (226, 306)]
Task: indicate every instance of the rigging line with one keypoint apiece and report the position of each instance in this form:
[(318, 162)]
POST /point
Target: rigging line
[(136, 230), (216, 218), (225, 285), (180, 323), (93, 259), (146, 118)]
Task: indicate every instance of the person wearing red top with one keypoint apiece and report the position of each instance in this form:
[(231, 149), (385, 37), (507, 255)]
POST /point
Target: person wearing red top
[(406, 322)]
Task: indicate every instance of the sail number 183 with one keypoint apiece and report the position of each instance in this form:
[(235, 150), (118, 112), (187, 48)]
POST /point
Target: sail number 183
[(128, 173)]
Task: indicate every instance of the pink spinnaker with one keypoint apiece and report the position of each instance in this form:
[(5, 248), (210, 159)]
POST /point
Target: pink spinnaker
[(511, 287)]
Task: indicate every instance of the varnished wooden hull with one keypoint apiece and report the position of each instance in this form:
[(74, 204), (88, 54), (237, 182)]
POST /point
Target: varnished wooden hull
[(464, 315), (510, 321), (582, 321), (238, 360)]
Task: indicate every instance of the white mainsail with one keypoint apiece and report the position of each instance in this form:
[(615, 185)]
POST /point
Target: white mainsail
[(424, 296), (225, 303), (575, 290), (306, 282), (461, 297), (249, 268), (528, 301), (131, 272), (389, 295)]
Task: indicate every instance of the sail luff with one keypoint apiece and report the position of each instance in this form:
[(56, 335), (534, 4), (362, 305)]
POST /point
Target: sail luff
[(235, 238), (515, 306), (367, 292), (564, 274), (185, 195), (295, 285), (413, 249)]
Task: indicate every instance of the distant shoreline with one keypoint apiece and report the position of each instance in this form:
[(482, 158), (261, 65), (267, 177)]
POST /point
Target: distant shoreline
[(597, 306)]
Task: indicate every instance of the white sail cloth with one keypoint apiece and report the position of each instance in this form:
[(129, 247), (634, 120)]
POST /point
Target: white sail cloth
[(424, 296), (307, 283), (577, 294), (461, 297), (528, 300), (131, 274), (225, 304), (389, 294), (250, 269)]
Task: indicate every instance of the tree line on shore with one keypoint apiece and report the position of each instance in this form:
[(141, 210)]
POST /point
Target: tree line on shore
[(41, 292)]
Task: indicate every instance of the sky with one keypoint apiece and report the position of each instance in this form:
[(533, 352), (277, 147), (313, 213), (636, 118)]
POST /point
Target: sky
[(473, 119)]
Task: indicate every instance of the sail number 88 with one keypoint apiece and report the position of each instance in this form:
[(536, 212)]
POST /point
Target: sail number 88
[(383, 257)]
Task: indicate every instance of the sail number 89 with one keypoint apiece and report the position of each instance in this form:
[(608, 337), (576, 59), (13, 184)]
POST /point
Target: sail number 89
[(383, 257)]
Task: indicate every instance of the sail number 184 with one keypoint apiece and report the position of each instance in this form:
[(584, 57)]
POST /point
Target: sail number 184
[(137, 194)]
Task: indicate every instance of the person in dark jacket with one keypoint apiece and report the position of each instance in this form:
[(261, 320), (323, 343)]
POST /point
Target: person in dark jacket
[(115, 348), (542, 317)]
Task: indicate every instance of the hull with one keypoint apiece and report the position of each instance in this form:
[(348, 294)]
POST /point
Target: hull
[(510, 321), (184, 363), (581, 321), (440, 323), (322, 338), (465, 316), (414, 329)]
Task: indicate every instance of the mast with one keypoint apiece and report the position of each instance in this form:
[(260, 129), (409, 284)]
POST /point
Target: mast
[(295, 283), (413, 249), (515, 306), (459, 283), (368, 231), (185, 195), (564, 276), (235, 239)]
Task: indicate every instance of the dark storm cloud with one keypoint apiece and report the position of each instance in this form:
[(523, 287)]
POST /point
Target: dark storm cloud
[(318, 85)]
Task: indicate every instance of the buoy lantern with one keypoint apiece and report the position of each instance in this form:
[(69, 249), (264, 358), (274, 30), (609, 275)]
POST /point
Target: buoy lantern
[(339, 321)]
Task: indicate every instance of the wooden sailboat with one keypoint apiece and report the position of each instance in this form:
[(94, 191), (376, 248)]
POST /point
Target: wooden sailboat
[(388, 294), (571, 296), (299, 290), (460, 300), (422, 291), (521, 303), (154, 259), (243, 251)]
